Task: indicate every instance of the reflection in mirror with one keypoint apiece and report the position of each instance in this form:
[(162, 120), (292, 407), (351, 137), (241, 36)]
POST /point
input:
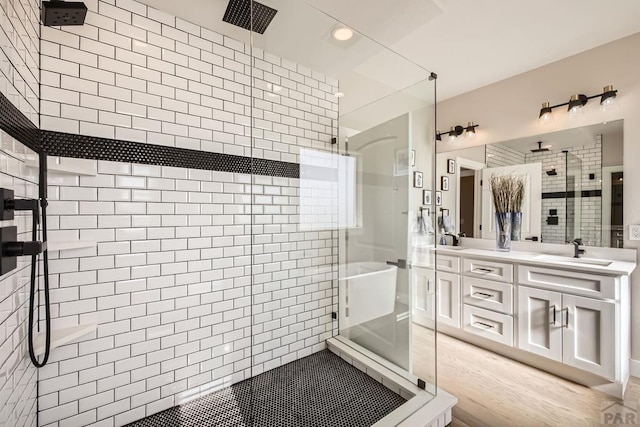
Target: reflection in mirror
[(574, 185)]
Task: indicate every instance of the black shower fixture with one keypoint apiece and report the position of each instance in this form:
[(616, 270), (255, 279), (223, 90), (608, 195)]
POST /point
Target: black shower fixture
[(552, 172), (540, 148), (60, 13), (249, 15)]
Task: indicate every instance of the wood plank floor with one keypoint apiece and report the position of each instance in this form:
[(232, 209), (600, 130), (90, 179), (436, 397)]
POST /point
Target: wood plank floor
[(496, 391)]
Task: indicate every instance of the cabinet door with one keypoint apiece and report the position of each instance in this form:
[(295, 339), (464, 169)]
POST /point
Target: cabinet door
[(448, 297), (539, 322), (589, 335), (423, 296)]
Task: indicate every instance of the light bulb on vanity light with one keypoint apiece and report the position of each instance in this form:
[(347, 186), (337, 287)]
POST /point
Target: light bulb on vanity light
[(470, 131), (546, 114), (576, 104), (452, 135), (609, 100)]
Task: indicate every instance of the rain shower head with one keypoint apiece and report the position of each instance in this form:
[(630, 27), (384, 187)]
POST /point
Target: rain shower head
[(59, 13), (240, 13), (540, 148)]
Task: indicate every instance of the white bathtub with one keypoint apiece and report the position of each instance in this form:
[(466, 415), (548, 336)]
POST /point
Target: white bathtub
[(367, 290)]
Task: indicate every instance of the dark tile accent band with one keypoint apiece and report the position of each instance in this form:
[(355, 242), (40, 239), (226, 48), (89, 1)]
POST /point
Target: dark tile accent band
[(571, 194), (95, 148), (16, 124)]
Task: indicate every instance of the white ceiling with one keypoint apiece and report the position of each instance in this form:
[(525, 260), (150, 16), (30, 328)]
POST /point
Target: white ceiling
[(468, 43)]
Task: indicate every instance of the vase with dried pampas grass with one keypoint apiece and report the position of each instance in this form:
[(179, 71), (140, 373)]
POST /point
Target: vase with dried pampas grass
[(508, 196)]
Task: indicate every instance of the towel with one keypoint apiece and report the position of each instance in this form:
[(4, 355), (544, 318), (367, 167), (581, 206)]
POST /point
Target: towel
[(446, 223)]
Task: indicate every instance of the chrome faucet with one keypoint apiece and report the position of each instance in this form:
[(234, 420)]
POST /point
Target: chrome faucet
[(577, 251)]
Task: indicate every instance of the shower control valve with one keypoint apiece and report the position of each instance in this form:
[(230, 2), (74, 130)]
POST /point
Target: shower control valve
[(11, 248)]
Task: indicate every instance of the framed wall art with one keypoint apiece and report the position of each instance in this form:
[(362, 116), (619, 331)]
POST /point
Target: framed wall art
[(451, 166), (444, 183), (417, 180)]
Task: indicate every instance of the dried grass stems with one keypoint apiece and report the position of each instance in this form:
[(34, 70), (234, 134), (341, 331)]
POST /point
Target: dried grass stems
[(508, 193)]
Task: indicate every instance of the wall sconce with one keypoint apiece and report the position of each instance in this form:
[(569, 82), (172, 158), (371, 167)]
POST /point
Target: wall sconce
[(578, 101), (456, 131)]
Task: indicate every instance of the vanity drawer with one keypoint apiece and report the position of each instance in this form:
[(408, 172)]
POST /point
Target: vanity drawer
[(492, 295), (488, 324), (447, 263), (489, 270), (570, 282)]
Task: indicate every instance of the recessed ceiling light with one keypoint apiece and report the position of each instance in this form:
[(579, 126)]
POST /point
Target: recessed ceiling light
[(339, 94), (342, 34)]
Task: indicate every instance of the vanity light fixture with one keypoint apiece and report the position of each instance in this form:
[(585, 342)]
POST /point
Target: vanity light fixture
[(455, 131), (578, 101)]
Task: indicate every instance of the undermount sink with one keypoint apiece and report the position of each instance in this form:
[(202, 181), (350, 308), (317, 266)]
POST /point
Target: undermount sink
[(586, 261)]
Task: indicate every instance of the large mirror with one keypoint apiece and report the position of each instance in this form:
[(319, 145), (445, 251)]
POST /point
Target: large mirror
[(574, 184)]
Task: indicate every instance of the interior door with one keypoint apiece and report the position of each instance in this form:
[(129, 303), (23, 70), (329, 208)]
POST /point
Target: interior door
[(539, 322), (381, 232), (532, 206), (589, 336)]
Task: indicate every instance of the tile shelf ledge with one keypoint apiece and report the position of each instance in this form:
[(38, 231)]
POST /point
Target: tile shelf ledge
[(62, 336), (65, 245), (66, 166)]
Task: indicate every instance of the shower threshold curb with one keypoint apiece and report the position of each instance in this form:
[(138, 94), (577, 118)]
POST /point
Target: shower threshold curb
[(422, 409)]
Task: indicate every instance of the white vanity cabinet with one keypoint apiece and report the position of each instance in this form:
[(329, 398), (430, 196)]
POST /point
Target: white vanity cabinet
[(557, 315), (448, 290), (448, 299), (423, 295), (488, 299), (574, 330)]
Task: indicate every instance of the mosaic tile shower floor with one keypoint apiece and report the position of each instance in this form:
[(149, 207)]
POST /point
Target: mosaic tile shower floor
[(319, 390)]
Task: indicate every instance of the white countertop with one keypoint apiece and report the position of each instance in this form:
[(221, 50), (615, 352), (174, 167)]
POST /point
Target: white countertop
[(586, 264)]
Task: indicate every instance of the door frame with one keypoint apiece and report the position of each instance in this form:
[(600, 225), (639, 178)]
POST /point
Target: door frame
[(461, 163)]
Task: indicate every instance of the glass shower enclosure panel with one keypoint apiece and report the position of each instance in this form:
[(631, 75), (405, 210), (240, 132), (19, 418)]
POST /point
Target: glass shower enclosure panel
[(337, 127), (386, 277)]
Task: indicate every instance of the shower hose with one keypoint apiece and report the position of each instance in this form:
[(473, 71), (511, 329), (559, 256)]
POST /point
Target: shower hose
[(45, 266)]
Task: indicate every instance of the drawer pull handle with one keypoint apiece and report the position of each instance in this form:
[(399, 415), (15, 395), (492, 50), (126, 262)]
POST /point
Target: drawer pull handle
[(486, 325), (483, 270), (485, 295), (555, 311)]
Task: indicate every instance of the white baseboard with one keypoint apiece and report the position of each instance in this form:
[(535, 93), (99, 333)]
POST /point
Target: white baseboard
[(634, 368)]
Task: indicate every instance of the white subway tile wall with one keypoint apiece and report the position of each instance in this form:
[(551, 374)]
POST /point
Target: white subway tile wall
[(134, 73), (19, 59), (170, 285), (19, 83), (589, 209), (499, 155), (18, 376)]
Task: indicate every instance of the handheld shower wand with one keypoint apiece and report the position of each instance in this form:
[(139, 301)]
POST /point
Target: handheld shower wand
[(11, 248), (45, 266)]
